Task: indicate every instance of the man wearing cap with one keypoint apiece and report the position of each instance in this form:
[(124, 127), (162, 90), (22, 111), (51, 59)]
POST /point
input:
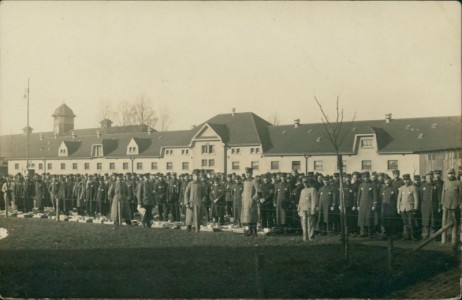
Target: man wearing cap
[(131, 186), (145, 199), (407, 205), (173, 197), (194, 197), (28, 193), (389, 215), (266, 202), (161, 188), (307, 209), (249, 213), (217, 197), (418, 214), (118, 192), (281, 202), (8, 192), (102, 206), (366, 205), (39, 193), (430, 206), (237, 189), (350, 196), (228, 184), (451, 202), (326, 203)]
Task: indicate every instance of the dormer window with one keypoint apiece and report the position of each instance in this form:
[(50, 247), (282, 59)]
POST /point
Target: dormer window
[(185, 152), (132, 150), (97, 151), (169, 152), (367, 143), (62, 150), (254, 150)]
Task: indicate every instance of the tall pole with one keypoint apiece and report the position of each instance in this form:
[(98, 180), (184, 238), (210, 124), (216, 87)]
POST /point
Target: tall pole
[(28, 128)]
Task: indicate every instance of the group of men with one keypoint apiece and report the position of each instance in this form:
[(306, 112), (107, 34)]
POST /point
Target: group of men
[(374, 202)]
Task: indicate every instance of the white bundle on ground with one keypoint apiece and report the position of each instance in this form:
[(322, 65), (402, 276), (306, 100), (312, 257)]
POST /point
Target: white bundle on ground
[(3, 233)]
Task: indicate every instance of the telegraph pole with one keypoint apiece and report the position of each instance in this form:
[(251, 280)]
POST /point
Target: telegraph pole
[(28, 127)]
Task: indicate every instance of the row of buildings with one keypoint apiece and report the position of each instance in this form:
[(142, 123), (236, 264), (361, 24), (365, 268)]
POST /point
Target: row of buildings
[(231, 142)]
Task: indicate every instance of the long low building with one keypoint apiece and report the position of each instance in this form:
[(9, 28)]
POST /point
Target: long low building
[(228, 143)]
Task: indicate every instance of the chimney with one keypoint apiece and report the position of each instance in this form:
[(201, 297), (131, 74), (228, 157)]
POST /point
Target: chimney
[(296, 123), (98, 133), (74, 135), (233, 111), (388, 118), (42, 137)]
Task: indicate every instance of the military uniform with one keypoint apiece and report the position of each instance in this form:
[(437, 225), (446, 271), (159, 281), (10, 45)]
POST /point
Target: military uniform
[(160, 188), (173, 197), (367, 199), (266, 204), (429, 209), (407, 204), (326, 202), (281, 202), (389, 215), (218, 203), (118, 192), (145, 199), (237, 189), (451, 202)]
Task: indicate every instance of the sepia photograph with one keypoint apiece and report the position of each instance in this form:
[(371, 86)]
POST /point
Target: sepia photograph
[(230, 149)]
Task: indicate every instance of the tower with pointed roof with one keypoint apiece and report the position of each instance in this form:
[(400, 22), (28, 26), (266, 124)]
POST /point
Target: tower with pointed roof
[(63, 120)]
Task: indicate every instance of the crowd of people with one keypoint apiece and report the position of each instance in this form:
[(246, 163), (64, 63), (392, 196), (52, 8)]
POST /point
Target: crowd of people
[(308, 204)]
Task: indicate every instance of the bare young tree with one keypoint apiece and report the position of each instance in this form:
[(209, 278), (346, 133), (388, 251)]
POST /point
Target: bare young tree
[(274, 118), (164, 119), (105, 110), (124, 115), (336, 136), (143, 113)]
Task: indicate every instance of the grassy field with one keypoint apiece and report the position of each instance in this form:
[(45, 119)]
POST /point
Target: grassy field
[(45, 258)]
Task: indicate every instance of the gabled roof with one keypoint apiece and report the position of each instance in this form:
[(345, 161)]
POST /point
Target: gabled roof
[(398, 136), (71, 146), (63, 110), (242, 128)]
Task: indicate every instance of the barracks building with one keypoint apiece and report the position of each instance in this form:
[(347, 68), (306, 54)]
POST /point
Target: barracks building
[(228, 143)]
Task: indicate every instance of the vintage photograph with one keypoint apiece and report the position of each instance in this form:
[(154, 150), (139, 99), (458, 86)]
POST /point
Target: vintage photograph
[(230, 149)]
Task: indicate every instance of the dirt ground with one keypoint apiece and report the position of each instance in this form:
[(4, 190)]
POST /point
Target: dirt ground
[(45, 258)]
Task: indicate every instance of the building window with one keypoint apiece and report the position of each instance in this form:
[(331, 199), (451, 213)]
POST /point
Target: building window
[(74, 166), (254, 150), (86, 166), (169, 165), (185, 166), (50, 166), (204, 163), (97, 151), (318, 165), (169, 152), (255, 165), (366, 165), (132, 150), (207, 149), (274, 165), (366, 143), (295, 165), (16, 166), (62, 152), (99, 166), (211, 163), (63, 166), (235, 151), (111, 166), (235, 165), (125, 165), (185, 152), (32, 165), (154, 166), (392, 165), (40, 166), (139, 166)]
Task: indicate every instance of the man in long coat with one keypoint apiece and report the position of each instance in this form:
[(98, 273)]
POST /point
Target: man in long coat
[(194, 198), (389, 214), (281, 202), (430, 206), (237, 189), (451, 202), (217, 198), (39, 193), (118, 193), (367, 200), (249, 213), (326, 202), (28, 193)]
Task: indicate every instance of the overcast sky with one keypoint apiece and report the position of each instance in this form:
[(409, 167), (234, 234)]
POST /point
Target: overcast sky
[(199, 59)]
